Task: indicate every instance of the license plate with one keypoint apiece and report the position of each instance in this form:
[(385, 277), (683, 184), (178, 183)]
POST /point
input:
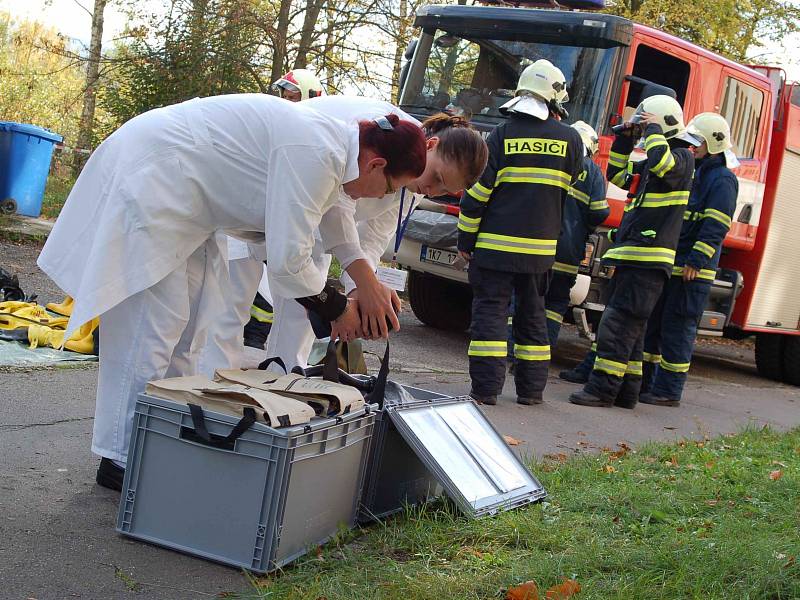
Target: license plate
[(438, 256)]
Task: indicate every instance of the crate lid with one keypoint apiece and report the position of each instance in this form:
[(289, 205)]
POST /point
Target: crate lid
[(27, 129), (462, 449)]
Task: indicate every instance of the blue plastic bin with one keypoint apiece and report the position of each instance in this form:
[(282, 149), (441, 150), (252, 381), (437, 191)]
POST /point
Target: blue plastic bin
[(25, 154)]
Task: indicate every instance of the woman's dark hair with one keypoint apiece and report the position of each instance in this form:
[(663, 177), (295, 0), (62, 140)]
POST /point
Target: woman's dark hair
[(403, 146), (458, 143)]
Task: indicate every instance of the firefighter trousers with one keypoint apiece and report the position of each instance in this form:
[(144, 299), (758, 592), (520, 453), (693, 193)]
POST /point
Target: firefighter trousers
[(491, 294), (556, 303), (617, 370), (670, 336)]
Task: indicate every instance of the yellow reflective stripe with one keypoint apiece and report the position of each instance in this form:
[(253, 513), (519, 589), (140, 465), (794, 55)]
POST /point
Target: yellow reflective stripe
[(675, 367), (709, 274), (690, 215), (664, 165), (579, 195), (510, 320), (655, 200), (488, 348), (565, 268), (634, 367), (655, 139), (711, 213), (619, 178), (533, 175), (706, 249), (523, 352), (641, 254), (553, 316), (261, 315), (480, 192), (598, 205), (611, 367), (651, 358), (594, 347), (520, 245), (617, 159), (468, 224)]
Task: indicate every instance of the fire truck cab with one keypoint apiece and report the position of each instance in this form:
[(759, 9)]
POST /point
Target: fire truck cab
[(467, 59)]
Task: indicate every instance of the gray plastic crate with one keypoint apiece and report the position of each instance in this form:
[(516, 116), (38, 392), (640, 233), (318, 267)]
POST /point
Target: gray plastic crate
[(396, 477), (259, 505)]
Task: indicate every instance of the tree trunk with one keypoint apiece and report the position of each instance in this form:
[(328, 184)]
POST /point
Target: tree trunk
[(400, 48), (90, 91), (313, 8), (279, 48)]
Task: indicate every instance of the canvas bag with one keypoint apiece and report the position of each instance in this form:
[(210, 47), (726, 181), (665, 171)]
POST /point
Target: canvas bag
[(228, 398)]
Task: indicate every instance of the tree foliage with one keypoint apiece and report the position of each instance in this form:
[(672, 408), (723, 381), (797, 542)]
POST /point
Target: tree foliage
[(733, 28)]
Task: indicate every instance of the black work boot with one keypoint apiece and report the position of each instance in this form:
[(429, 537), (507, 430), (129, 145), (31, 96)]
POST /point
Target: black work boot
[(575, 375), (530, 400), (584, 398), (650, 398), (110, 475), (490, 400), (628, 395)]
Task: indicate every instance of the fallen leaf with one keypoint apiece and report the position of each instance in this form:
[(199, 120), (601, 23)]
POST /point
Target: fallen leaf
[(608, 469), (789, 562), (712, 502), (560, 457), (775, 475), (710, 464), (526, 591), (615, 520), (566, 589), (511, 441)]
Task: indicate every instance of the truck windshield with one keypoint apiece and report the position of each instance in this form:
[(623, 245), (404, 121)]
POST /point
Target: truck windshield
[(476, 76)]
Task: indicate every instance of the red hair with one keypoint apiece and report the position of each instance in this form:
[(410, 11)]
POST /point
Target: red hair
[(403, 146)]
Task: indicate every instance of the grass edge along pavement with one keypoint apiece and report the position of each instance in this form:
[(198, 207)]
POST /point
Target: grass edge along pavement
[(717, 518)]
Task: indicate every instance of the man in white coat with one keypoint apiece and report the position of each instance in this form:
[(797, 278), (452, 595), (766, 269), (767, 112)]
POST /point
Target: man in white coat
[(291, 336), (137, 242)]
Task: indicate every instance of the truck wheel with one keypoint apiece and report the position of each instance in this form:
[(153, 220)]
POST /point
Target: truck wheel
[(440, 303), (791, 359), (769, 355)]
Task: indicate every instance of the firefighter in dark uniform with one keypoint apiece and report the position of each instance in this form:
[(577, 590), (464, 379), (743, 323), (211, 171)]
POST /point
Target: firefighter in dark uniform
[(585, 208), (644, 248), (508, 229), (672, 327)]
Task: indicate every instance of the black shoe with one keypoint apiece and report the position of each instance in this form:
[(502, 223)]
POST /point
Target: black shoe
[(490, 400), (629, 403), (649, 398), (530, 400), (574, 376), (109, 475), (584, 398)]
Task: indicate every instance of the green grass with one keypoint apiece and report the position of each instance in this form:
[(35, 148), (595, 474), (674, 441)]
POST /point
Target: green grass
[(55, 194), (699, 520)]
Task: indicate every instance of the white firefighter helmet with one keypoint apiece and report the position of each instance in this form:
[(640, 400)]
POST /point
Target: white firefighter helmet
[(668, 114), (303, 81), (715, 131), (538, 85), (588, 135)]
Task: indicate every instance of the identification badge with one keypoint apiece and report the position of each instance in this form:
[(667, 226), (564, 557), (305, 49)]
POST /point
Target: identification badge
[(392, 278)]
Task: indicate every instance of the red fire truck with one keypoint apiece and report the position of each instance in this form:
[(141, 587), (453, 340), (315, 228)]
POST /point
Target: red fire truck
[(467, 59)]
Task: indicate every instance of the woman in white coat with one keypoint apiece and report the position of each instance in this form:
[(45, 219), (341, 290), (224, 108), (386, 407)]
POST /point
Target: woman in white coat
[(456, 156), (137, 242)]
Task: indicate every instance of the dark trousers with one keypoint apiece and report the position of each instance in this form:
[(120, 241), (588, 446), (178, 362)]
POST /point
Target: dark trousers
[(617, 371), (257, 328), (670, 336), (491, 295), (556, 303)]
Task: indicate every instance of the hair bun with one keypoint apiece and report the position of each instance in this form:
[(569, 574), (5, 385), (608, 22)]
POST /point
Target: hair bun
[(441, 121)]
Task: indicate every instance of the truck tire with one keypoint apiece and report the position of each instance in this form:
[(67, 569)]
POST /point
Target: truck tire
[(440, 303), (769, 355), (791, 359)]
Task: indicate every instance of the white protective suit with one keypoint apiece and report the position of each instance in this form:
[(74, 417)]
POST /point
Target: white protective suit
[(138, 241), (291, 336)]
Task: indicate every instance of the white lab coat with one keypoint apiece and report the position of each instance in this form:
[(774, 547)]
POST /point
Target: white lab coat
[(359, 229), (148, 213)]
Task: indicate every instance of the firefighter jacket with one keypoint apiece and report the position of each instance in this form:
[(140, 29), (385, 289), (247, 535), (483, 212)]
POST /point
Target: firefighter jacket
[(650, 228), (584, 209), (707, 218), (511, 218)]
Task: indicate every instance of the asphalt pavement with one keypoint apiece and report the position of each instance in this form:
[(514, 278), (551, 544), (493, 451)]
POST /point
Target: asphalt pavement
[(57, 537)]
